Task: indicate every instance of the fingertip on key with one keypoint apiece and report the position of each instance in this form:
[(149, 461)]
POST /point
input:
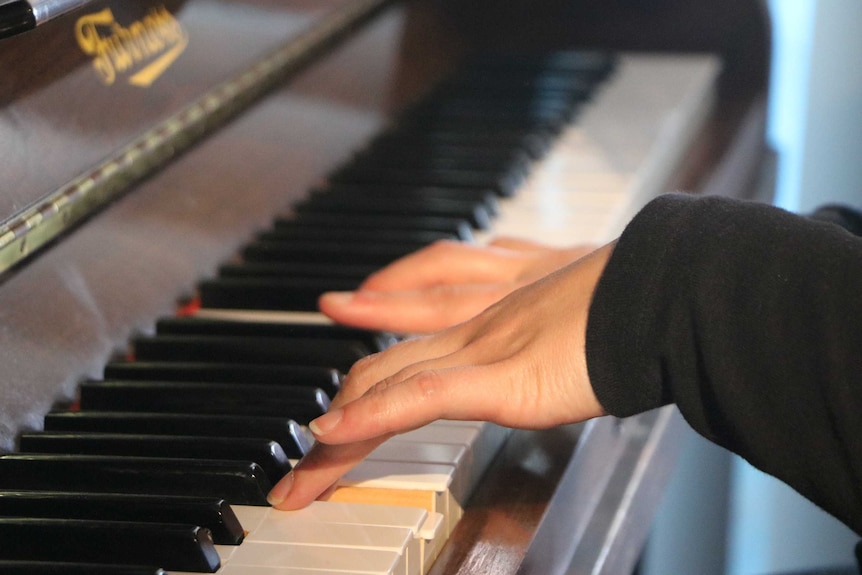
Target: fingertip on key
[(279, 493), (326, 422)]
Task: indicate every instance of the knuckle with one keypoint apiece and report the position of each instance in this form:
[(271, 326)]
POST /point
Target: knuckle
[(361, 365), (426, 385), (359, 368)]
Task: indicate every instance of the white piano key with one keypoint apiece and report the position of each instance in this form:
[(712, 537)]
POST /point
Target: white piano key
[(483, 439), (333, 559), (271, 316), (289, 530), (396, 475), (225, 552), (433, 433), (356, 514), (424, 485), (427, 529), (250, 516), (456, 456), (446, 453), (257, 570), (434, 536)]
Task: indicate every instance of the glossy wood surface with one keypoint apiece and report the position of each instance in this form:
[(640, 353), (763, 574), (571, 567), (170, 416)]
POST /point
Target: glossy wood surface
[(501, 519), (58, 118)]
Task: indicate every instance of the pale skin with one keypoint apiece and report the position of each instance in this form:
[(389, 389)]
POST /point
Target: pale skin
[(507, 326)]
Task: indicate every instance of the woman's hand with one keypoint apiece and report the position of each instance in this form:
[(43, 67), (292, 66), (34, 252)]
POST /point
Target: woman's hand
[(444, 284), (520, 363)]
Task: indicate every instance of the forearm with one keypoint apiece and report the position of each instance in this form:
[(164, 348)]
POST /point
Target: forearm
[(749, 319)]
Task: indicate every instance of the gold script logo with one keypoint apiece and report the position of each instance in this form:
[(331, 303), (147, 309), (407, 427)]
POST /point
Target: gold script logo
[(143, 50)]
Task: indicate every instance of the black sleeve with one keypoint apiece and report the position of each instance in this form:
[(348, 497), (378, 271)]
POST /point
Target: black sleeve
[(749, 318)]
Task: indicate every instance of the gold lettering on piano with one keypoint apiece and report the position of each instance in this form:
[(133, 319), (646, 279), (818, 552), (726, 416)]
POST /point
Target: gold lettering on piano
[(143, 50)]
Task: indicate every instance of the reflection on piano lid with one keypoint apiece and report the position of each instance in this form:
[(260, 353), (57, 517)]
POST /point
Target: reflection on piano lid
[(458, 157)]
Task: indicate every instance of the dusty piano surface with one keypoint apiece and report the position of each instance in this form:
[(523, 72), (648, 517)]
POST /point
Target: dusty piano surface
[(550, 500)]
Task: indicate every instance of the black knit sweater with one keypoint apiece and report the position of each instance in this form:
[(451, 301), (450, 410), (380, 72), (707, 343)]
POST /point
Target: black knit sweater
[(749, 318)]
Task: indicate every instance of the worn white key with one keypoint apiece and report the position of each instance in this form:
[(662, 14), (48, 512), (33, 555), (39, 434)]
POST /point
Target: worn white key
[(483, 440), (485, 445), (356, 514), (434, 536), (456, 456), (333, 559), (425, 485), (426, 528), (291, 530)]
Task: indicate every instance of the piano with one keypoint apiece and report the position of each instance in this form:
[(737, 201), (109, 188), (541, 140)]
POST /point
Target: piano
[(147, 148)]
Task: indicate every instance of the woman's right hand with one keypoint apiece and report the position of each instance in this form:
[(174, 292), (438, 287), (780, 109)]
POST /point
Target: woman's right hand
[(520, 363)]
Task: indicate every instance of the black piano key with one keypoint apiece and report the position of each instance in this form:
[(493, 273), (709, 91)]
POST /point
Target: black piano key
[(175, 547), (60, 568), (328, 252), (302, 404), (267, 454), (444, 158), (213, 514), (553, 109), (454, 226), (337, 354), (565, 88), (411, 151), (285, 432), (534, 145), (237, 482), (531, 98), (482, 125), (590, 64), (501, 184), (351, 275), (373, 340), (486, 198), (530, 103), (268, 293), (530, 94), (536, 78), (390, 149), (473, 212), (309, 233), (329, 380)]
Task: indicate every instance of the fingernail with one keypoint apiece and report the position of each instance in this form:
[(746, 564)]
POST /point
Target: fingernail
[(326, 422), (281, 490), (339, 297)]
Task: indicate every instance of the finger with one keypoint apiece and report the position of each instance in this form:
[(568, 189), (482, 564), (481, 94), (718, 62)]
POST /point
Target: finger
[(517, 244), (441, 263), (414, 311), (397, 363), (389, 408), (318, 471)]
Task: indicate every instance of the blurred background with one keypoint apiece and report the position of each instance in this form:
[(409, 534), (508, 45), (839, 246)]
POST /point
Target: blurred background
[(721, 516)]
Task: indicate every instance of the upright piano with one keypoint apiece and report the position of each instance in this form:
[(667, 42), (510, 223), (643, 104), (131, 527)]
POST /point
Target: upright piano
[(148, 148)]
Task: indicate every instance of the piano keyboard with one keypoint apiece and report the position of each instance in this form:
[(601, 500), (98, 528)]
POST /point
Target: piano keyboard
[(163, 462)]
